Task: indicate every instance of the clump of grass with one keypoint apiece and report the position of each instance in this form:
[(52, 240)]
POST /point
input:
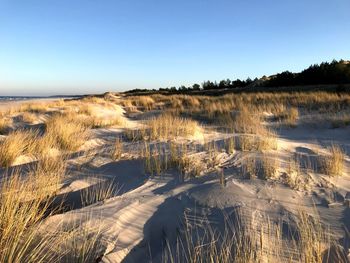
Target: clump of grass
[(28, 117), (267, 142), (160, 158), (262, 167), (313, 238), (98, 192), (156, 160), (190, 167), (168, 126), (94, 122), (16, 144), (24, 201), (293, 177), (289, 116), (333, 164), (4, 125), (249, 167), (117, 149), (257, 143), (269, 168), (244, 121), (85, 108), (230, 145), (35, 107), (128, 105), (146, 102), (69, 135), (47, 175), (78, 241), (135, 134), (247, 238), (239, 241), (133, 103), (221, 175)]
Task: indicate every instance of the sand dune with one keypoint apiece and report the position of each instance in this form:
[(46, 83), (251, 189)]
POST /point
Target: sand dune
[(195, 178)]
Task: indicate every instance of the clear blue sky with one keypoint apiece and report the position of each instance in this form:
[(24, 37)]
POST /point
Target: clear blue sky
[(75, 46)]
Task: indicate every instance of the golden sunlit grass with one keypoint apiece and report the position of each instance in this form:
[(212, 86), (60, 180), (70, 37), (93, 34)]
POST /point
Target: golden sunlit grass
[(16, 144), (293, 176), (94, 122), (243, 241), (268, 167), (23, 204), (86, 115), (69, 135), (117, 149), (34, 107), (132, 103), (48, 174), (289, 116), (147, 103), (257, 143), (29, 117), (168, 126), (333, 164), (80, 245)]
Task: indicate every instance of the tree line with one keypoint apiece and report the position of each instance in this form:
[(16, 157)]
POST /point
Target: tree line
[(335, 72)]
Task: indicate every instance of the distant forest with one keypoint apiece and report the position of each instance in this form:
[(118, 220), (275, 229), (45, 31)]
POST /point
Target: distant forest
[(335, 72)]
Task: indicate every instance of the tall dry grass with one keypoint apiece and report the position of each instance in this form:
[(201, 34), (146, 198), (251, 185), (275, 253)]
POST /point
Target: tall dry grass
[(29, 117), (4, 124), (168, 126), (333, 164), (69, 135), (293, 177), (98, 192), (241, 240), (24, 203), (16, 144), (289, 116), (133, 103), (117, 149)]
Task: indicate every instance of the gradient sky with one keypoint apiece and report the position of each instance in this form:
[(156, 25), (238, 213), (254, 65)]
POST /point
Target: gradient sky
[(73, 46)]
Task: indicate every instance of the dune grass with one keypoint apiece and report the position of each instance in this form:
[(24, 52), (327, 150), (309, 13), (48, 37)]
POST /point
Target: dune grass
[(293, 177), (257, 143), (333, 164), (4, 125), (117, 149), (16, 144), (69, 135), (98, 192), (168, 126), (29, 117), (241, 240), (24, 201)]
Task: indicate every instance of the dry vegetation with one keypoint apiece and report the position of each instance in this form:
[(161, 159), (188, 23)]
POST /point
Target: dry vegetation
[(16, 144), (117, 149), (67, 133), (23, 205), (169, 126), (333, 164), (4, 125), (98, 192), (245, 242), (245, 123)]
